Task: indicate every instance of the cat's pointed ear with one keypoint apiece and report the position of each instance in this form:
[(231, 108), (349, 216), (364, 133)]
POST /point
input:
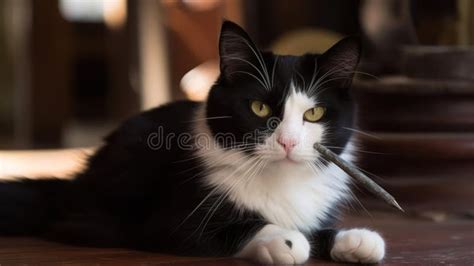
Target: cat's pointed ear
[(237, 52), (338, 64)]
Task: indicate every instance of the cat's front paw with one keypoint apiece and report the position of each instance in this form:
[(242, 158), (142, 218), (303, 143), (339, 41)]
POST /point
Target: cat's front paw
[(274, 245), (358, 245), (289, 248)]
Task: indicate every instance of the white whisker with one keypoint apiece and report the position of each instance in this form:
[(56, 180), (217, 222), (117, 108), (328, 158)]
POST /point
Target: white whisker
[(252, 75), (273, 70), (267, 85), (258, 56), (361, 132)]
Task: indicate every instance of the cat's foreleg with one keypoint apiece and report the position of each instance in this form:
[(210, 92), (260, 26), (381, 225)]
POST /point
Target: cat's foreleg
[(275, 245), (354, 245)]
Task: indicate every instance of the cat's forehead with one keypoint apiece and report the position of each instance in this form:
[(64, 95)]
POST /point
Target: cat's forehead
[(295, 75), (278, 77), (298, 99), (287, 66)]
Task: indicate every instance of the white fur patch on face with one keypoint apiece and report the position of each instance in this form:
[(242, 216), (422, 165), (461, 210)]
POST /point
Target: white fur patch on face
[(292, 127), (295, 195)]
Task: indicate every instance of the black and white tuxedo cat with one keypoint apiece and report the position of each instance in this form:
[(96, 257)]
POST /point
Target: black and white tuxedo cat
[(235, 176)]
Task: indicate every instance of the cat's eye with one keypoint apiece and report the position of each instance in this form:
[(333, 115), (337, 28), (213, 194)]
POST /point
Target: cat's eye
[(314, 114), (260, 109)]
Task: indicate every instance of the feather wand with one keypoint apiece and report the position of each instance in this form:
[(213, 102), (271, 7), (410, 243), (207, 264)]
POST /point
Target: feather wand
[(352, 171)]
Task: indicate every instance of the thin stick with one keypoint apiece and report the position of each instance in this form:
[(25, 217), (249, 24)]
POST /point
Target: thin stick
[(351, 170)]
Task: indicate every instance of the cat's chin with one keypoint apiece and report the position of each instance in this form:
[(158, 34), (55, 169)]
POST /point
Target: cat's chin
[(288, 160)]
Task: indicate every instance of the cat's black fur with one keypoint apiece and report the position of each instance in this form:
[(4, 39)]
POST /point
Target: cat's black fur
[(133, 195)]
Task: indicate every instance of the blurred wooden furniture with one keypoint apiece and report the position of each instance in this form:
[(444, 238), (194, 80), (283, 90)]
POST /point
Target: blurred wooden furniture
[(65, 70), (422, 128)]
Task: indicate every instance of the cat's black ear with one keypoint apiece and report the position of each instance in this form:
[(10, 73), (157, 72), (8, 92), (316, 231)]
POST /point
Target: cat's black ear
[(338, 64), (237, 52)]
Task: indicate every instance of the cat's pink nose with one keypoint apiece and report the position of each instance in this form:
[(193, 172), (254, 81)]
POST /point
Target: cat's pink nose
[(287, 143)]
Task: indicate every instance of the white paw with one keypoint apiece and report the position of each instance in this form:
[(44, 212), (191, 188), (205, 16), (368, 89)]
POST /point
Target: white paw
[(358, 245), (275, 245)]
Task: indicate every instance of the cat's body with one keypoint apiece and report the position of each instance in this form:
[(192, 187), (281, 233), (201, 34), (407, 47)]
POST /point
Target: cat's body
[(214, 178)]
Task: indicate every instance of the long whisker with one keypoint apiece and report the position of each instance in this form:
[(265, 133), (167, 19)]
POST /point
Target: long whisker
[(273, 70), (267, 85), (319, 88), (355, 150), (302, 79), (321, 79), (258, 56), (252, 75), (315, 73), (361, 132), (366, 74), (356, 199), (334, 70)]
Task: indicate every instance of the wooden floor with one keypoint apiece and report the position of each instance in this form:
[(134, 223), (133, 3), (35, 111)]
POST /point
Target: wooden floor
[(420, 240)]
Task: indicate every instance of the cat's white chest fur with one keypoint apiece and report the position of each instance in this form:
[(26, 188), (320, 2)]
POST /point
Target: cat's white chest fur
[(292, 196)]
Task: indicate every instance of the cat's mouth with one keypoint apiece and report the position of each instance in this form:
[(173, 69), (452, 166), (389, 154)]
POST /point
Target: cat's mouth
[(290, 160)]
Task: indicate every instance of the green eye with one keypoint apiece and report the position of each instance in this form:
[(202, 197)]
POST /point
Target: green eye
[(314, 114), (260, 109)]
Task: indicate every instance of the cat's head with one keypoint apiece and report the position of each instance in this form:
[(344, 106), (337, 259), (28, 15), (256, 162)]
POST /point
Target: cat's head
[(278, 106)]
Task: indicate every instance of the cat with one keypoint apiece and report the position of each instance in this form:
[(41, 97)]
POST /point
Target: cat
[(236, 175)]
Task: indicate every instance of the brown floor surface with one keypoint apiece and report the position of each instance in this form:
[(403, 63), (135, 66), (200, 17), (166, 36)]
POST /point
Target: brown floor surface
[(410, 240)]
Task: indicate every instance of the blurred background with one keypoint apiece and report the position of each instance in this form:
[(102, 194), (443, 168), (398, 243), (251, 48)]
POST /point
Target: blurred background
[(71, 70)]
